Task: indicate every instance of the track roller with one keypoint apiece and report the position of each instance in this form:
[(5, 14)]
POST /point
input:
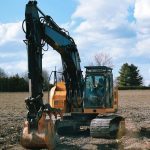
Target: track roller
[(67, 127)]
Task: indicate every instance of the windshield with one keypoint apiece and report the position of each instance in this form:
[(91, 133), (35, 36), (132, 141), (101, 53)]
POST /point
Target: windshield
[(95, 91)]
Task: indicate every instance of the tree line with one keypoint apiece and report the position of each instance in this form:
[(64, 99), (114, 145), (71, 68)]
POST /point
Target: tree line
[(13, 84), (129, 78), (129, 74), (16, 83)]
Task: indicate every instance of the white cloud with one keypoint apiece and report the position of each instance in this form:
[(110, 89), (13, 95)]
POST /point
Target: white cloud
[(13, 55), (96, 9), (12, 52), (51, 59), (14, 66), (142, 9), (142, 15), (11, 32), (68, 25), (108, 14), (143, 48), (104, 27), (145, 72), (6, 55)]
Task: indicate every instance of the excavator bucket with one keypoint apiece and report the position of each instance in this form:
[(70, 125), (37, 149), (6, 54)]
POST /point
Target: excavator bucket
[(44, 137)]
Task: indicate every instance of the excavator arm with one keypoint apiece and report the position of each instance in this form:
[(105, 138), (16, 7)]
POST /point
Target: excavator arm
[(65, 46), (42, 29)]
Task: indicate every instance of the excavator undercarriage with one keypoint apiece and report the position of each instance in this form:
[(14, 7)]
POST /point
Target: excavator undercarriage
[(106, 126)]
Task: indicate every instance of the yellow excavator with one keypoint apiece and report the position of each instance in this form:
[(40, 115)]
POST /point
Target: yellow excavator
[(95, 110), (88, 101)]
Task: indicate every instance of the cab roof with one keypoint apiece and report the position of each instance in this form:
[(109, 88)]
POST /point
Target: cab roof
[(98, 67)]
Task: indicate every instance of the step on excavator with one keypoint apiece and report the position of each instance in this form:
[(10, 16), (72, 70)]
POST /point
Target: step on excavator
[(89, 101)]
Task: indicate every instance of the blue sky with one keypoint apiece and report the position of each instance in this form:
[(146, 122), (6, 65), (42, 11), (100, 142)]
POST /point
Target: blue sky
[(14, 10), (118, 28)]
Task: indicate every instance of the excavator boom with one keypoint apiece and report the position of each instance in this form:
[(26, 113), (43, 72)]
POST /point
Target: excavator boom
[(39, 129)]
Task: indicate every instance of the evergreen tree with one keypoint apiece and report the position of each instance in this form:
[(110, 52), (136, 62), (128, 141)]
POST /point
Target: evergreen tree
[(129, 76), (13, 84)]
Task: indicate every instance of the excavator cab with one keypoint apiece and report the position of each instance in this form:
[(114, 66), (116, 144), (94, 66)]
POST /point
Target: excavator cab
[(98, 87), (99, 95)]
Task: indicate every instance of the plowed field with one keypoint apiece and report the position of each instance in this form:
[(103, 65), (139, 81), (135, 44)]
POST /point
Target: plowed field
[(134, 105)]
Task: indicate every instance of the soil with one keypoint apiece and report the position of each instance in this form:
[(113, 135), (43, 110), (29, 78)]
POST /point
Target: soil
[(134, 105)]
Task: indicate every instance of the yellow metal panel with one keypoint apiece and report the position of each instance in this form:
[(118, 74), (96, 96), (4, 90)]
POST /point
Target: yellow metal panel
[(58, 96)]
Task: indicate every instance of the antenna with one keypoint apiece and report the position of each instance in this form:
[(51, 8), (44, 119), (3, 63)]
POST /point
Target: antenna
[(55, 76)]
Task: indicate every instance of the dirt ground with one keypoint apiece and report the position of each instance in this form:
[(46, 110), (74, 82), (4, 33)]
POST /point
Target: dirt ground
[(133, 105)]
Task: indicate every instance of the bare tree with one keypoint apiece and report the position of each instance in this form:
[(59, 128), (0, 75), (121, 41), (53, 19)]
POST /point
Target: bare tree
[(60, 74), (45, 76), (2, 73), (25, 76), (103, 59), (116, 82)]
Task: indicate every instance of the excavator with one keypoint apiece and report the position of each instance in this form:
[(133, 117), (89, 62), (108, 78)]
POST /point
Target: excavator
[(89, 101)]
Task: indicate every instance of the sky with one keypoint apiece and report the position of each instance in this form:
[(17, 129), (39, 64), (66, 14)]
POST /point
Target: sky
[(120, 28)]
